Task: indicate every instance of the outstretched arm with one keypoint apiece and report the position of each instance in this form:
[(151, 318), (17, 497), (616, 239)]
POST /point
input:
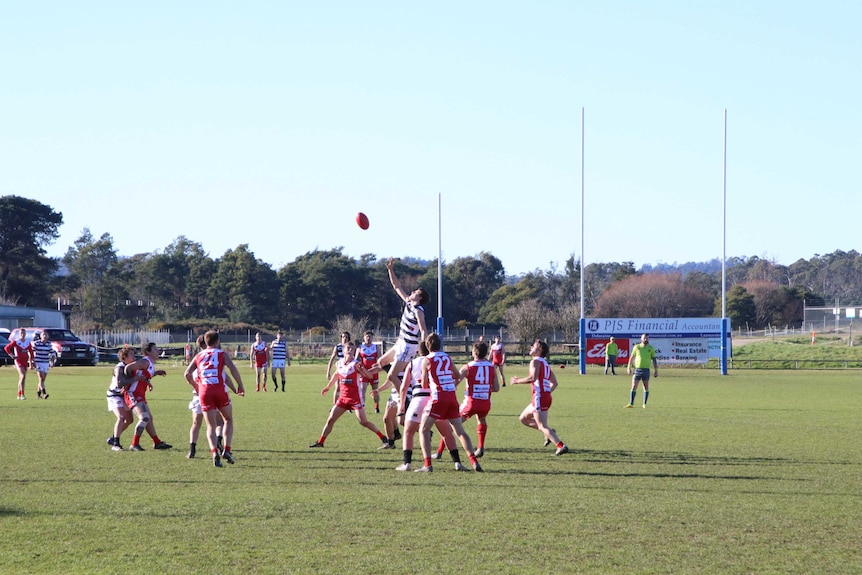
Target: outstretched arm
[(329, 384), (531, 376), (360, 369), (396, 283)]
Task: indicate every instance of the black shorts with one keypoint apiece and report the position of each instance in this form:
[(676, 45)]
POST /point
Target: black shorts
[(642, 374)]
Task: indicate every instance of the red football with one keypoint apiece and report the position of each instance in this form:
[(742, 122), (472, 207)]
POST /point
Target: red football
[(362, 221)]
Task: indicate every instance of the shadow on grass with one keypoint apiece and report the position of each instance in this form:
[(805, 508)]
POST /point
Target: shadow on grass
[(675, 458), (657, 457), (581, 455), (571, 464)]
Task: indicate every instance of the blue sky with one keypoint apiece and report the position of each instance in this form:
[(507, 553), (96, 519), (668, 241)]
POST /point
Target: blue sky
[(272, 123)]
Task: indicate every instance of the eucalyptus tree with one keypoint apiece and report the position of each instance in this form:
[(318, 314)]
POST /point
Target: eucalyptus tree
[(26, 227), (177, 279), (468, 283), (246, 286), (97, 281), (528, 287), (653, 295)]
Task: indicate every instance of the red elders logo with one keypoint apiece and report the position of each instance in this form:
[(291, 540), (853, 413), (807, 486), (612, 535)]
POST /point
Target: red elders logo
[(596, 351)]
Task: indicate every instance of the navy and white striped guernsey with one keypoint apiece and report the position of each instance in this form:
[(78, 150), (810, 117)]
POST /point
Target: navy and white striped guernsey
[(279, 350), (410, 323), (42, 351)]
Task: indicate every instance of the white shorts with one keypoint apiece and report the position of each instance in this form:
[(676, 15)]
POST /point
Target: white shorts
[(278, 364), (42, 366), (195, 405), (405, 351), (394, 398), (416, 407), (116, 402)]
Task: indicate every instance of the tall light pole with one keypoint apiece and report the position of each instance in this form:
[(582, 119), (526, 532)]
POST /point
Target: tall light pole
[(725, 322), (439, 265), (582, 324)]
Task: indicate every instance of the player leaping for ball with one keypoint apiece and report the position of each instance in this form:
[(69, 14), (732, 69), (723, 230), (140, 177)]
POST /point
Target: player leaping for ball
[(411, 331)]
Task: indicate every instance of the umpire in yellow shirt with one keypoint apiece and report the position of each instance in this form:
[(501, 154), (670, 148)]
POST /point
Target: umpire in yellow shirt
[(641, 356), (611, 352)]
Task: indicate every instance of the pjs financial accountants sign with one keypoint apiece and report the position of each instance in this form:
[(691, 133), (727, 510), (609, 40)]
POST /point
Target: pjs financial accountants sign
[(676, 340)]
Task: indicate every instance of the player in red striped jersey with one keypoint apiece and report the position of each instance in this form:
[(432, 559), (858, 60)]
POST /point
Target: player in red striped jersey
[(211, 383), (259, 357), (543, 382), (481, 377), (368, 353), (350, 397), (21, 351), (439, 375)]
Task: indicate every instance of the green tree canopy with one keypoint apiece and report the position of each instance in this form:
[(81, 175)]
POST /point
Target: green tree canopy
[(247, 286), (96, 279), (321, 285), (740, 308), (26, 226), (529, 287)]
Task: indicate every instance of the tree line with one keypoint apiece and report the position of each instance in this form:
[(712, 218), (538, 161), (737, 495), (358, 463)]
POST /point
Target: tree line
[(182, 286)]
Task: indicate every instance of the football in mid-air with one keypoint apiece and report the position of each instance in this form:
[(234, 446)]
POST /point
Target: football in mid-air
[(362, 221)]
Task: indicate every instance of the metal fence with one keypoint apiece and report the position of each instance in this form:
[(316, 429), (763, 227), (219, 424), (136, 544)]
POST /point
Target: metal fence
[(310, 345), (131, 337), (834, 318)]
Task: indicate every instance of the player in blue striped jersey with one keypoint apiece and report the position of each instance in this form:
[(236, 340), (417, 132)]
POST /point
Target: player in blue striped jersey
[(42, 351), (279, 354)]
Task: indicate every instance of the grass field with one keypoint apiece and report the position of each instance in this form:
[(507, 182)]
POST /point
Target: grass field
[(755, 472)]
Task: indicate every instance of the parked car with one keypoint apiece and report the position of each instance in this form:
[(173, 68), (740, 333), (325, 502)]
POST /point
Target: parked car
[(68, 348), (5, 358)]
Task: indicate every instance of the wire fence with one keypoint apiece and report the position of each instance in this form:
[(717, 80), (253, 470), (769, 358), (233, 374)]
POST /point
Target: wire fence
[(311, 346)]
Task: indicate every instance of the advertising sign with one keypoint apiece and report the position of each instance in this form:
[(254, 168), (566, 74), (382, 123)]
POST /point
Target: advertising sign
[(596, 350), (676, 340)]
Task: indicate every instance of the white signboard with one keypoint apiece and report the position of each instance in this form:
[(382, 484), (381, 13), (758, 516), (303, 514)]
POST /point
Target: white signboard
[(676, 340), (683, 350)]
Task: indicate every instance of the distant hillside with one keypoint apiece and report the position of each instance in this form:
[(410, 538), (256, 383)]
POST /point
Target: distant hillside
[(710, 267)]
